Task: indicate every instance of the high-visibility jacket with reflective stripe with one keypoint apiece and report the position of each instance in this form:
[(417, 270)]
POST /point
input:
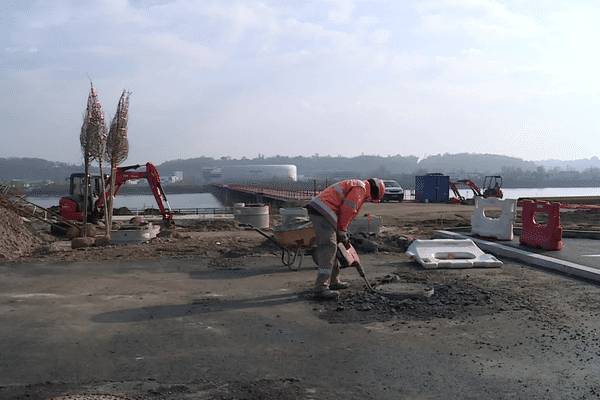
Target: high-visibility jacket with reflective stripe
[(341, 202)]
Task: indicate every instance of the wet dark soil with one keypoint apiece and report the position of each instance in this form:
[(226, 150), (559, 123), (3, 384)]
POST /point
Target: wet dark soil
[(451, 302)]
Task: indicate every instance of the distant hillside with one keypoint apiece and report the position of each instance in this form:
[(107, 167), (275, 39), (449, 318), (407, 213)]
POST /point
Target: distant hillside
[(35, 170), (473, 163), (572, 165), (317, 167)]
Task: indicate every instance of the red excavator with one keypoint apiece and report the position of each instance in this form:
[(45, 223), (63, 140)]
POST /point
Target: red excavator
[(459, 198), (492, 185), (72, 206)]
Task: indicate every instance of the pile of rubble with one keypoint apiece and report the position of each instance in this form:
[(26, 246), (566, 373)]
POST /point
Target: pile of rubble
[(451, 301), (18, 238)]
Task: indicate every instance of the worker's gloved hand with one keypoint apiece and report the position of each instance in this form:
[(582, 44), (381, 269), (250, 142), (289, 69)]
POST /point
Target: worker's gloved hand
[(342, 237)]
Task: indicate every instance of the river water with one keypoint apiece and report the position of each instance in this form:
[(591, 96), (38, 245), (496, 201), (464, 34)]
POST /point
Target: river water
[(137, 201), (207, 200)]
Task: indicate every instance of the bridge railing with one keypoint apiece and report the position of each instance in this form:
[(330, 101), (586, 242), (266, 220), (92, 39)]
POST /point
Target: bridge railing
[(182, 211), (293, 194), (277, 193)]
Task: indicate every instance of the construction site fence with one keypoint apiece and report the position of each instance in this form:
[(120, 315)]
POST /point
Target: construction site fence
[(182, 211)]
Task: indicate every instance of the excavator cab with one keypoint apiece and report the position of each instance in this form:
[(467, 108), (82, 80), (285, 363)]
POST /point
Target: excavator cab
[(72, 206), (492, 185), (77, 185)]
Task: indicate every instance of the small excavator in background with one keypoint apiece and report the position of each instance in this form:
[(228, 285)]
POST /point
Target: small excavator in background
[(459, 199), (492, 185), (72, 206)]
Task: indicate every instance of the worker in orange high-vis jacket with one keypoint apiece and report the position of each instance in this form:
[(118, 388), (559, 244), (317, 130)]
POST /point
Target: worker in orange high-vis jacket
[(330, 213)]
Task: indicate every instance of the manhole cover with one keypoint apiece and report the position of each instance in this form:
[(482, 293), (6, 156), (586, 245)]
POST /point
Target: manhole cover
[(405, 290), (91, 397)]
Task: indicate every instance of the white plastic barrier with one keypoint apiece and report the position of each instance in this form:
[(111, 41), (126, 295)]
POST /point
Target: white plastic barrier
[(500, 228), (450, 253)]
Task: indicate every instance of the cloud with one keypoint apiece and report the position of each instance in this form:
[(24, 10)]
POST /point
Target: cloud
[(483, 19), (21, 50), (286, 77), (343, 11), (173, 49), (404, 62)]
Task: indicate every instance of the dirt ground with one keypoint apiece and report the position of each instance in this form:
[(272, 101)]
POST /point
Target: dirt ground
[(223, 238), (210, 312)]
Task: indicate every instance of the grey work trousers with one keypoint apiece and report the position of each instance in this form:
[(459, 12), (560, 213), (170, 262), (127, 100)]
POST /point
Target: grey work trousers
[(326, 235)]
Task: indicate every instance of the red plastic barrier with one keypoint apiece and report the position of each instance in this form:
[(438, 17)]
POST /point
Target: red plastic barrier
[(548, 237)]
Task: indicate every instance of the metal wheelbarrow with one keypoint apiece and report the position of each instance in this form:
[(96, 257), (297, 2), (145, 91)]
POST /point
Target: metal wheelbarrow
[(292, 239)]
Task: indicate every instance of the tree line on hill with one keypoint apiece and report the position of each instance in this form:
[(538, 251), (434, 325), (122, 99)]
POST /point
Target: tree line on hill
[(514, 171)]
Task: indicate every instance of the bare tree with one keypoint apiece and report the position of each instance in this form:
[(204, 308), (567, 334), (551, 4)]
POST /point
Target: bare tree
[(93, 141), (117, 150)]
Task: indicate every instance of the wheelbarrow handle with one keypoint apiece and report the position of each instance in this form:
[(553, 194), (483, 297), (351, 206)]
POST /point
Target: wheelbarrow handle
[(264, 234), (287, 257)]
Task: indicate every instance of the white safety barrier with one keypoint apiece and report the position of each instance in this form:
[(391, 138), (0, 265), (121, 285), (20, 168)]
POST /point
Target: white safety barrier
[(450, 253), (500, 228)]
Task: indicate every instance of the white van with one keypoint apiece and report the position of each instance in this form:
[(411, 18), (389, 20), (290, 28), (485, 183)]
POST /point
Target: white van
[(393, 191)]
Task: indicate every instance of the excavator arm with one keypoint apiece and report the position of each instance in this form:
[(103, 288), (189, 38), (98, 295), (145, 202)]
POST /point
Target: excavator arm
[(159, 194), (459, 198), (124, 174)]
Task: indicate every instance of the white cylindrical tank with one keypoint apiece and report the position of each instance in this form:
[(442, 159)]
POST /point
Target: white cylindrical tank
[(256, 173)]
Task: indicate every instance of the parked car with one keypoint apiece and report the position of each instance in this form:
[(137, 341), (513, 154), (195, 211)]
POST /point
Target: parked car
[(393, 191)]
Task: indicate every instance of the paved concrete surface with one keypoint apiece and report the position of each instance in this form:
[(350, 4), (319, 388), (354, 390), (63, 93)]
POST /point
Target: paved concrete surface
[(173, 329), (579, 256)]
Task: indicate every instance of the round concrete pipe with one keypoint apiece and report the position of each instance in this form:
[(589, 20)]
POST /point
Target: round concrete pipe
[(256, 215)]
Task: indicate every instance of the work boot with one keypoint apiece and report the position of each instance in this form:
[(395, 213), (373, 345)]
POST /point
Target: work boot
[(321, 288), (322, 283), (334, 280), (327, 294), (339, 285)]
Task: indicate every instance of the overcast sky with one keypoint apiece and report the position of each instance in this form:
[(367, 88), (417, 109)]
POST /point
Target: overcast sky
[(297, 78)]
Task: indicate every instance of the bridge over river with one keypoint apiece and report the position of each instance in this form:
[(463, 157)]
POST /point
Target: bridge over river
[(229, 194)]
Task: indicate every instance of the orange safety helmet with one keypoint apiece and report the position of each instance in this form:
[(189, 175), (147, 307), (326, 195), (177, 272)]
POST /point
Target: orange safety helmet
[(377, 189)]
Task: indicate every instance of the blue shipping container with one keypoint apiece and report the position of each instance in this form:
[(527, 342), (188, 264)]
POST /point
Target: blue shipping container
[(432, 188)]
